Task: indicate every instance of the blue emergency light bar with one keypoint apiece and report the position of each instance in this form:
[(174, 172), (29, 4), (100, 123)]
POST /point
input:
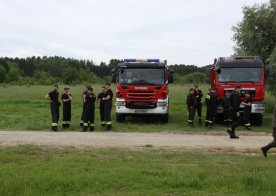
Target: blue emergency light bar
[(141, 60)]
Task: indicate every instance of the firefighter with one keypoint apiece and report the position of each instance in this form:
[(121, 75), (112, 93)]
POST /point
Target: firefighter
[(198, 107), (191, 103), (101, 105), (89, 110), (247, 110), (211, 103), (235, 111), (107, 100), (272, 144), (66, 98), (53, 97), (84, 93), (226, 109)]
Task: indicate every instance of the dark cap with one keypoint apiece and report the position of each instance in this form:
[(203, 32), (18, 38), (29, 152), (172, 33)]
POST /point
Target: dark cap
[(191, 89), (55, 85), (107, 83), (66, 88), (247, 92), (90, 88), (238, 86)]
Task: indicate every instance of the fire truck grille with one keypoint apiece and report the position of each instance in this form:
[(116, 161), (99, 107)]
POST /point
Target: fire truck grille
[(140, 95), (141, 105), (251, 91)]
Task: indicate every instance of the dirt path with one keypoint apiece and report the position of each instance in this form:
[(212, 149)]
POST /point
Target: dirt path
[(207, 141)]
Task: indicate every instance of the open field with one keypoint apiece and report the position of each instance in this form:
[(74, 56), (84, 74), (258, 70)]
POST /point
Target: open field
[(23, 108), (31, 170)]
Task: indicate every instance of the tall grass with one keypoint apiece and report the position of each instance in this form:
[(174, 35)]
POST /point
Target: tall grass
[(24, 108)]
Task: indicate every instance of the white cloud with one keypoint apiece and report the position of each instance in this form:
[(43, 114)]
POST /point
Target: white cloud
[(190, 31)]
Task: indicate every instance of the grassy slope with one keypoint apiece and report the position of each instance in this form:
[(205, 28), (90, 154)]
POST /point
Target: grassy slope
[(23, 107), (29, 170)]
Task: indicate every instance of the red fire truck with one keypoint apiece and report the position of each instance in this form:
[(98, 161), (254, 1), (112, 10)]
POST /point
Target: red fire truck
[(248, 72), (142, 88)]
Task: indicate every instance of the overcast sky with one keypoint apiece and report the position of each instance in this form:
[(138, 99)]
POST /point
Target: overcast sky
[(181, 31)]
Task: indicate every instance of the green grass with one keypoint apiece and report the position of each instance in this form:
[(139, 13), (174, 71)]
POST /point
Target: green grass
[(23, 108), (31, 170)]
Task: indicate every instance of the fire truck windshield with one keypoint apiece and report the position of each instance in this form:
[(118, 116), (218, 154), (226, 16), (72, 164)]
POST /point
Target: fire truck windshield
[(146, 76), (247, 74)]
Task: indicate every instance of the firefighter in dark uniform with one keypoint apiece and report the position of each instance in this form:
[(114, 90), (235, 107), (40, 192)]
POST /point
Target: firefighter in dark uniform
[(100, 97), (107, 100), (53, 97), (191, 103), (226, 109), (235, 111), (66, 98), (198, 107), (247, 110), (84, 93), (89, 110), (272, 144), (211, 103)]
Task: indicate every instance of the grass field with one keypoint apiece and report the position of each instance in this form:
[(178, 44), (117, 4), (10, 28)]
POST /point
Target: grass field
[(23, 108), (30, 170)]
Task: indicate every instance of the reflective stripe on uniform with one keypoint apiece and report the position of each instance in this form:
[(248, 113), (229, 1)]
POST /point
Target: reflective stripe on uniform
[(85, 124), (248, 124), (54, 124), (91, 125), (103, 122), (190, 121), (208, 97), (108, 123)]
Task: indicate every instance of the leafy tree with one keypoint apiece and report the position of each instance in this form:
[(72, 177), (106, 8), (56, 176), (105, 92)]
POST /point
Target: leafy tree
[(256, 33), (69, 74), (2, 74), (14, 72)]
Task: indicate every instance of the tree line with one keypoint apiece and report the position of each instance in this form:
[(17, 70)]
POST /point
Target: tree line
[(48, 70)]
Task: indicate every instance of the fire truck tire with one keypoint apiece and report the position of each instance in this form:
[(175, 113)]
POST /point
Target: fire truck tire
[(258, 119), (120, 118), (165, 118)]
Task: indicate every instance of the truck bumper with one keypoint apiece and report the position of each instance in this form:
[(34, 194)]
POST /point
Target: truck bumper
[(258, 107), (161, 109)]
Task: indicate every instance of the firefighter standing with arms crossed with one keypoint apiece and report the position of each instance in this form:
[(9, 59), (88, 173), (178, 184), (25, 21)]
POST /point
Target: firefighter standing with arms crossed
[(272, 144), (53, 97), (89, 110), (191, 102), (101, 106), (107, 100), (211, 103), (198, 107), (66, 98)]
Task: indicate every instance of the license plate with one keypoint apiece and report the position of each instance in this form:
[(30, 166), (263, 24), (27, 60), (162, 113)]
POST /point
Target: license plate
[(140, 111)]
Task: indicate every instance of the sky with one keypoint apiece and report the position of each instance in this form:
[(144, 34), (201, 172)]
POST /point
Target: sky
[(181, 31)]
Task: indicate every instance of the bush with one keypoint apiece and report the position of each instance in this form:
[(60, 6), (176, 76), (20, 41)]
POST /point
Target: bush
[(192, 78)]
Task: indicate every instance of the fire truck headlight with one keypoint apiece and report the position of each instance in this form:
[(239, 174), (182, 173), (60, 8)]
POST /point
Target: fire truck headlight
[(162, 104), (120, 103)]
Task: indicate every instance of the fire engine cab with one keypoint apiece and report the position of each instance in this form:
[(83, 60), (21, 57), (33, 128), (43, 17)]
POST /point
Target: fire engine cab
[(142, 88), (248, 72)]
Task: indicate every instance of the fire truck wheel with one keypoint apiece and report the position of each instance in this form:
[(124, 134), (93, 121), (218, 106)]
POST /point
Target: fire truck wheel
[(120, 118), (258, 119), (165, 118)]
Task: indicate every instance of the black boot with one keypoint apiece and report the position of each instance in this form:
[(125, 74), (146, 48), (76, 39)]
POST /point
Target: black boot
[(248, 128), (199, 122), (81, 124), (91, 128), (206, 123), (84, 128), (54, 128), (232, 134), (265, 149), (108, 127), (68, 126), (64, 126)]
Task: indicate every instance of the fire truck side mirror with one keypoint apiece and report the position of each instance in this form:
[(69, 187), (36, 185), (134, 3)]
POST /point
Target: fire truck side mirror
[(113, 75), (171, 72)]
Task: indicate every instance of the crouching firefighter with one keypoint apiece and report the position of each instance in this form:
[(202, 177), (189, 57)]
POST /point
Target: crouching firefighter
[(53, 97), (107, 100), (191, 102), (66, 100), (89, 110), (211, 103)]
